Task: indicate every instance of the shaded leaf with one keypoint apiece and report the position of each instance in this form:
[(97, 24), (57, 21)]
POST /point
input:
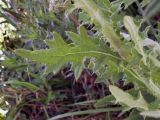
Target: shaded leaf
[(152, 9), (23, 84), (13, 64), (126, 3), (134, 115)]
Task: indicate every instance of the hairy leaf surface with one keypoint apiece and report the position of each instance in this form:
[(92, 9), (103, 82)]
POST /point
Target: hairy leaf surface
[(127, 99), (60, 52)]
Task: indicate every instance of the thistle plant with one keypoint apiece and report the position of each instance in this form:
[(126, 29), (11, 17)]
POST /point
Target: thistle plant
[(109, 54)]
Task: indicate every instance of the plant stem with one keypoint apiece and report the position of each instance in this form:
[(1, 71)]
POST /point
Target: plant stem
[(85, 112)]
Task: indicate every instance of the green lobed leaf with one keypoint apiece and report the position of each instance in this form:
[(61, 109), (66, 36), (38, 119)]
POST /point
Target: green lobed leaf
[(97, 15), (61, 53), (150, 84), (133, 30), (110, 98), (127, 99)]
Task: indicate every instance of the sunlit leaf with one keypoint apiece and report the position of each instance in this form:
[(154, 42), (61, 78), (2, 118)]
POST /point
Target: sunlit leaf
[(127, 99), (153, 114), (61, 53), (133, 30)]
